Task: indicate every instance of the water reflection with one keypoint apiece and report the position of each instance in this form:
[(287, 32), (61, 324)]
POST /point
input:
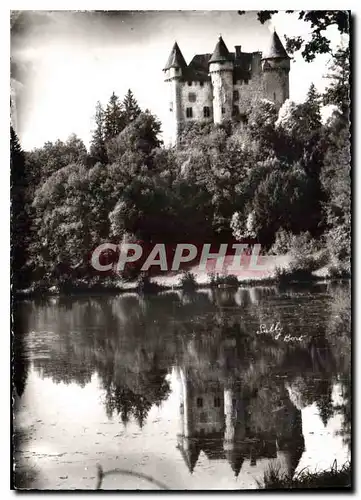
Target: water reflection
[(227, 422), (239, 394)]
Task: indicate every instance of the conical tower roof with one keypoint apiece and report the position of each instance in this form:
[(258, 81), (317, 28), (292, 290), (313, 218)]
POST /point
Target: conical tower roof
[(175, 59), (190, 453), (235, 459), (275, 49), (220, 53)]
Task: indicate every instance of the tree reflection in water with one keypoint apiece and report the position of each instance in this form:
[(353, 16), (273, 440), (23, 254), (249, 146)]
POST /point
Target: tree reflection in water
[(241, 394)]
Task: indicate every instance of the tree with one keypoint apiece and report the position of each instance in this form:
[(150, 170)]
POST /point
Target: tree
[(312, 108), (336, 182), (131, 109), (20, 220), (114, 121), (299, 122), (336, 171), (98, 150), (319, 21), (261, 124), (301, 141), (72, 209), (279, 200), (53, 156), (338, 92), (141, 136)]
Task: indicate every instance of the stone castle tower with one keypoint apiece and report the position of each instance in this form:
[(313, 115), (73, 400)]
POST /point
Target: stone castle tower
[(221, 86)]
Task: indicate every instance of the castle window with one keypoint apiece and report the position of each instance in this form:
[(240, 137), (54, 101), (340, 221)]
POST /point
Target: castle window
[(189, 112), (192, 97), (274, 96), (199, 402), (206, 112), (171, 106), (189, 84), (203, 417), (217, 402), (235, 110), (201, 84), (223, 111), (246, 81), (235, 95)]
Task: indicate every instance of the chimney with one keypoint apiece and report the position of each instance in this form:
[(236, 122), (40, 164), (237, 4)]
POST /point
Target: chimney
[(238, 49)]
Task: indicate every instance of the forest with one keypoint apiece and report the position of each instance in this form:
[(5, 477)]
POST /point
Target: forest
[(282, 179)]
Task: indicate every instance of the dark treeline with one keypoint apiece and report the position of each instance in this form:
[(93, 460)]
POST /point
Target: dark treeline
[(282, 179)]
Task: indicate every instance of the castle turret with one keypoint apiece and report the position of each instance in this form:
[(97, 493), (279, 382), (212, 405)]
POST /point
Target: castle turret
[(190, 451), (174, 70), (276, 67), (234, 432), (221, 71)]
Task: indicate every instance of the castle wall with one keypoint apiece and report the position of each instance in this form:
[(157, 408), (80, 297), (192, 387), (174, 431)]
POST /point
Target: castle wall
[(248, 93), (222, 82), (276, 86), (204, 97), (174, 98), (207, 418)]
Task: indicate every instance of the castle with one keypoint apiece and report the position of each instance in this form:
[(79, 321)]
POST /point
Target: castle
[(221, 86), (214, 419)]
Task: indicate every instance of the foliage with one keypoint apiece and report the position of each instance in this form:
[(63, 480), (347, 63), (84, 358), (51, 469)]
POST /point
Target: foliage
[(338, 91), (298, 272), (20, 214), (270, 180), (98, 151), (336, 182), (282, 243), (188, 281), (131, 110), (146, 285), (114, 121), (45, 161), (243, 229), (334, 477), (140, 136), (319, 21), (229, 280)]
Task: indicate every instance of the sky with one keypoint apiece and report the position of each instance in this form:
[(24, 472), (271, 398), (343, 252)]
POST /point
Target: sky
[(63, 62)]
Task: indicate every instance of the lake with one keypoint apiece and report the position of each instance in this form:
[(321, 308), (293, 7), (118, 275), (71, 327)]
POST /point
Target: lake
[(207, 390)]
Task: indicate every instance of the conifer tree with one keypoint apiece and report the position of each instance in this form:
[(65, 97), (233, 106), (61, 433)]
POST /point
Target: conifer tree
[(114, 121), (97, 148), (312, 109), (19, 214), (130, 107)]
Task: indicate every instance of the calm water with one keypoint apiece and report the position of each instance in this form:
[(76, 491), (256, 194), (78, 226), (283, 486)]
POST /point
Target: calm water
[(202, 391)]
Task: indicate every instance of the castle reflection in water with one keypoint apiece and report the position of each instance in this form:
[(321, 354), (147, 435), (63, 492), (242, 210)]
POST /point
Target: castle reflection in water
[(216, 419), (196, 362)]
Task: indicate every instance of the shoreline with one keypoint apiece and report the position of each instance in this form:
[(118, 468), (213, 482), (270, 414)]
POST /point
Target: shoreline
[(276, 273), (158, 288)]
